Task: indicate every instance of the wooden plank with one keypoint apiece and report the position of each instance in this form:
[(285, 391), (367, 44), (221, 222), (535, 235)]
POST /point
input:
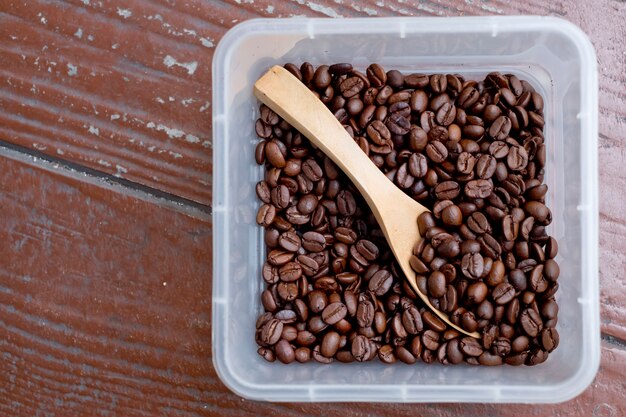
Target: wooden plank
[(104, 298), (129, 96)]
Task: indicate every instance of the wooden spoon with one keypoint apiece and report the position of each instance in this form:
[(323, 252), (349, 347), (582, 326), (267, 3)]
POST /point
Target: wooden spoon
[(395, 212)]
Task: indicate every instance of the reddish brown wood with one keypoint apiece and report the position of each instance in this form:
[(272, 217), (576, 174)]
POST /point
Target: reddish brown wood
[(86, 325)]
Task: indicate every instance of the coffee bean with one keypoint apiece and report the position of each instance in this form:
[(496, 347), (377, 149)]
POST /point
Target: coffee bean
[(437, 151), (313, 241), (468, 97), (438, 83), (503, 293), (290, 272), (285, 352), (489, 359), (549, 339), (551, 270), (381, 282), (398, 124), (404, 355), (446, 114), (486, 166), (346, 203), (531, 322), (470, 347), (478, 188), (433, 322), (351, 86), (472, 265), (386, 354), (361, 348), (447, 190), (452, 216)]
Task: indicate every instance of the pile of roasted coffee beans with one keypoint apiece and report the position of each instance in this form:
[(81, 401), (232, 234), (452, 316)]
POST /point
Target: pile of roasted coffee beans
[(471, 151)]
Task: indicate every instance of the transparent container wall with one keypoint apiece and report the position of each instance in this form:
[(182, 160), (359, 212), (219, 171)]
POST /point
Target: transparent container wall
[(549, 59)]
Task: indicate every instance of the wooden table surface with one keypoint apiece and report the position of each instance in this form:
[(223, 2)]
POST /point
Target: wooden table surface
[(105, 195)]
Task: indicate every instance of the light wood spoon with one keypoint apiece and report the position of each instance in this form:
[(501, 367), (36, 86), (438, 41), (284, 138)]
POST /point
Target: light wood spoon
[(395, 212)]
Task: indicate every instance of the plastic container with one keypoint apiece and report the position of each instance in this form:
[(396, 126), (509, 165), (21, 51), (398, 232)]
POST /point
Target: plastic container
[(559, 61)]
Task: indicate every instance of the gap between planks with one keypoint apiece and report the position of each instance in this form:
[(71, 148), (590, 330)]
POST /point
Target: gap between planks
[(101, 179)]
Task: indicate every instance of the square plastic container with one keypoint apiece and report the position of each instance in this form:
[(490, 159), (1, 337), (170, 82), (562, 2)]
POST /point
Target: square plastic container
[(552, 54)]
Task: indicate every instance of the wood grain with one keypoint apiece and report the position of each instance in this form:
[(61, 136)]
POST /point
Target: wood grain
[(87, 326)]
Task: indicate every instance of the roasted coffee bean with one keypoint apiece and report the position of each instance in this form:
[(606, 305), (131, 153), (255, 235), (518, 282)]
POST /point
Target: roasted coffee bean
[(478, 188), (470, 346), (447, 190), (551, 270), (472, 265), (452, 216), (313, 241), (285, 352), (386, 354), (334, 312), (486, 166), (503, 293), (488, 359), (531, 322), (536, 281), (290, 272), (549, 339), (361, 348), (381, 282), (346, 204), (500, 128), (351, 86), (436, 151), (433, 322)]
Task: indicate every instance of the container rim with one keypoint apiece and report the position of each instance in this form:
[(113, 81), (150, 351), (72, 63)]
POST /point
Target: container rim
[(588, 208)]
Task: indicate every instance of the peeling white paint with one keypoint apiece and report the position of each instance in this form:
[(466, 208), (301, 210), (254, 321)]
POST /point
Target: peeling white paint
[(190, 32), (115, 116), (170, 98), (186, 102), (170, 61), (14, 38), (205, 106), (90, 38), (206, 144), (94, 130), (269, 9), (159, 100), (244, 1), (79, 33), (192, 139), (491, 9), (86, 2), (125, 13), (322, 9), (104, 163), (120, 169), (43, 18), (152, 148), (115, 46), (60, 152), (176, 155), (207, 42), (72, 70), (39, 146)]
